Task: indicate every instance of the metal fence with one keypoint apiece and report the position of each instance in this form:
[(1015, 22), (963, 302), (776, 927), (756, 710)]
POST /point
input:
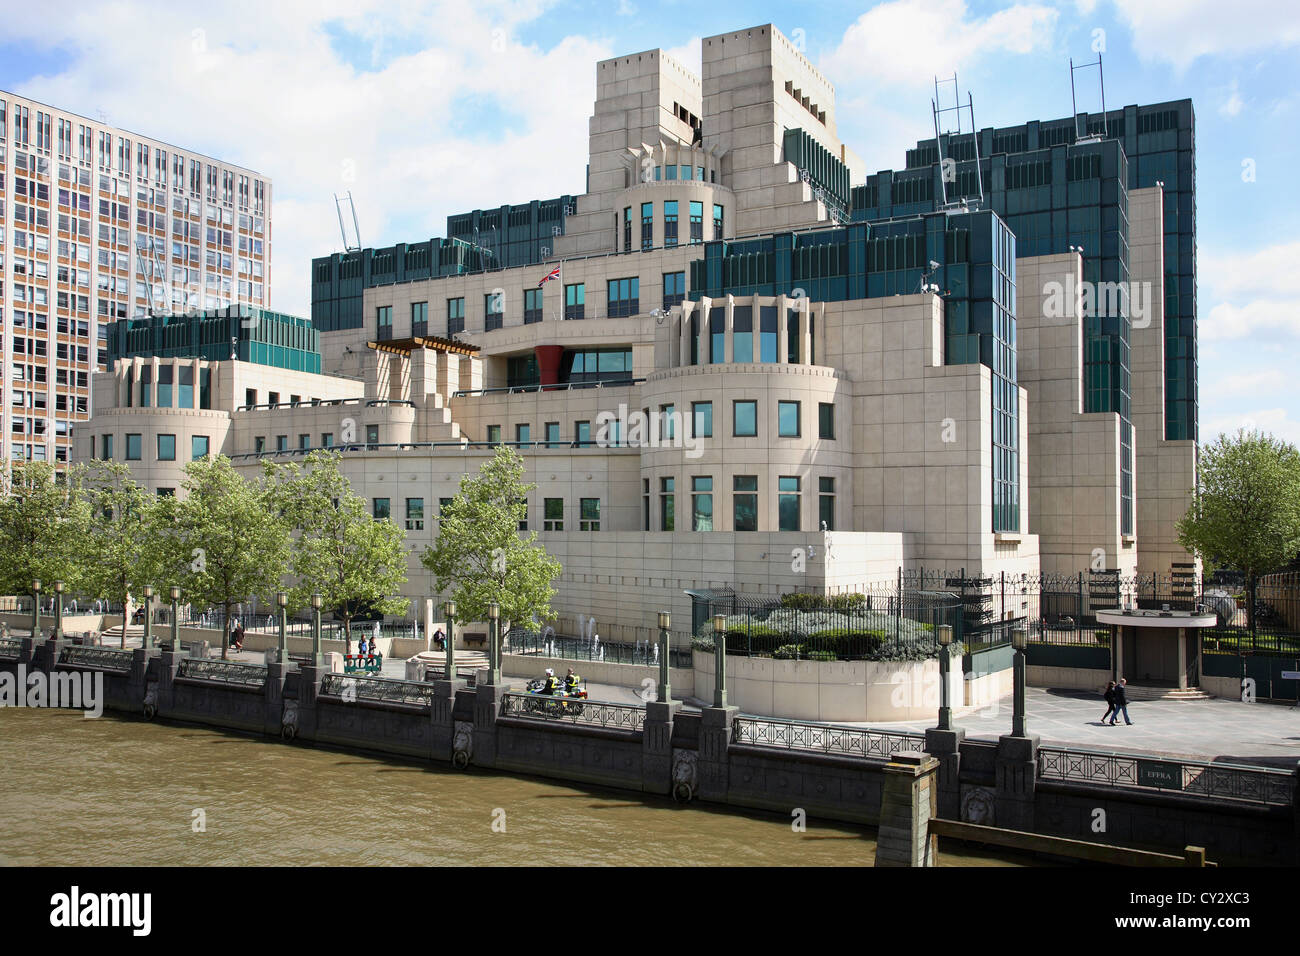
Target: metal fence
[(528, 641), (225, 672), (574, 711), (349, 687), (10, 649), (101, 658), (823, 738), (1258, 785)]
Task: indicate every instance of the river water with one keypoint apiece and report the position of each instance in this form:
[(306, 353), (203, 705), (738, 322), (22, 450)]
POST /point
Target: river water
[(122, 791)]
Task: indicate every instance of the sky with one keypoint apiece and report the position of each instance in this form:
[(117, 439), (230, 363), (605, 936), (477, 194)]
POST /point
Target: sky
[(421, 110)]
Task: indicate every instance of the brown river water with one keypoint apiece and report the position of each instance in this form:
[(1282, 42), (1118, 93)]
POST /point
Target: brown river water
[(119, 791)]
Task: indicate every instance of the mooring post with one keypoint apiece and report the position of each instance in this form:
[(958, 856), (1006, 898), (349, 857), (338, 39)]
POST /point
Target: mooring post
[(907, 805)]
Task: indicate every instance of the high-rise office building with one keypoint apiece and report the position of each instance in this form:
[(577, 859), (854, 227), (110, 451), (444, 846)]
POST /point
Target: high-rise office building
[(98, 224)]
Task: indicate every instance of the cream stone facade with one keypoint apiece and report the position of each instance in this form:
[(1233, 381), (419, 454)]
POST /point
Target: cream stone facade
[(760, 442)]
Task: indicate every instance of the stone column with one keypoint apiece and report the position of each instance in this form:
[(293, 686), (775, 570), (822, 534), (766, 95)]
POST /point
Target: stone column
[(907, 804), (657, 746), (308, 693), (273, 719), (441, 715), (714, 773), (945, 746), (1182, 658), (487, 705), (169, 659), (1016, 768)]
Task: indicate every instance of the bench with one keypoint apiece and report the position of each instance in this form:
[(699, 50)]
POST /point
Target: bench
[(475, 639), (356, 664)]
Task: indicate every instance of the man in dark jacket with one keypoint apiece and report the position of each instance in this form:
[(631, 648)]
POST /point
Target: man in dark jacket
[(1110, 701), (1121, 703)]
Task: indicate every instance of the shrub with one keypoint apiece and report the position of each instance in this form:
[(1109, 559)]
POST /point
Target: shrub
[(789, 652), (822, 656)]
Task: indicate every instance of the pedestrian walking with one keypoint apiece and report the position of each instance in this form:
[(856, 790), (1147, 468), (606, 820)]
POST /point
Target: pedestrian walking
[(1110, 700), (1121, 703)]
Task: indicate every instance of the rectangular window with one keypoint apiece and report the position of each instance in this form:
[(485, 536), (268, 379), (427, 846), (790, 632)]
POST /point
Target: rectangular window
[(826, 503), (702, 419), (384, 322), (627, 229), (198, 447), (552, 434), (674, 289), (767, 334), (745, 502), (304, 441), (381, 509), (523, 511), (414, 514), (493, 311), (106, 447), (372, 437), (455, 316), (788, 503), (166, 447), (670, 222), (553, 514), (523, 434), (327, 439), (494, 434), (793, 337), (589, 516), (582, 434), (645, 503), (648, 225), (419, 319), (532, 306), (250, 397), (697, 222), (624, 297), (281, 442), (787, 419), (717, 221), (575, 299), (826, 420), (259, 444), (742, 334), (701, 503), (185, 386), (146, 385), (666, 503), (667, 422), (744, 419)]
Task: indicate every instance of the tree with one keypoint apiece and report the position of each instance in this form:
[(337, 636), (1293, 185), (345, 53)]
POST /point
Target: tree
[(1246, 509), (120, 546), (341, 552), (43, 519), (225, 540), (479, 555)]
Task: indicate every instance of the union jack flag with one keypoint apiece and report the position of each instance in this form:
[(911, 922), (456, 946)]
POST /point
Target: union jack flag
[(553, 274)]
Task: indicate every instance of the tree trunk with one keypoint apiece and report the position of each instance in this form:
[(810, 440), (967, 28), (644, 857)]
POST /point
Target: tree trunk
[(225, 633), (1250, 603), (125, 593), (347, 633)]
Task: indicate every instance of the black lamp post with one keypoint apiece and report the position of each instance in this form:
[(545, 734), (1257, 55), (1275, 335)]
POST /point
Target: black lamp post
[(665, 688), (449, 642), (1019, 640), (58, 610), (945, 666), (494, 658), (282, 600), (36, 610), (720, 660), (148, 618), (316, 602), (174, 592)]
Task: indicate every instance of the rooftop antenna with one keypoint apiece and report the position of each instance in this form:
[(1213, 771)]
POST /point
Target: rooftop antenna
[(939, 135), (1088, 136), (355, 245)]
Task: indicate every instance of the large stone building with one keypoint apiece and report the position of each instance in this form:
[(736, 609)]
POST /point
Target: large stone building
[(726, 366), (99, 224)]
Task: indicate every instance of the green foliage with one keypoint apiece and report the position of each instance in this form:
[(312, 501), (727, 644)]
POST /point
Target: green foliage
[(824, 602), (479, 556), (119, 549), (356, 563), (43, 522), (1246, 511), (225, 540)]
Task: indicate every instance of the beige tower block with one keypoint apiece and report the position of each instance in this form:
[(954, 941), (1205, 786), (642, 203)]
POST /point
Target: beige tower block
[(1164, 472), (1074, 456)]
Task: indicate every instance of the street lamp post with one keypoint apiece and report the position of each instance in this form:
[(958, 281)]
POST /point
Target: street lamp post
[(148, 618), (58, 610), (316, 602), (282, 652), (1019, 640), (36, 609), (174, 592), (665, 688), (945, 651), (449, 642), (720, 660), (494, 659)]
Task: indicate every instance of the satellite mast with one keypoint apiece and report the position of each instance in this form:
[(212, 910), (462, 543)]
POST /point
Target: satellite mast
[(1087, 136), (950, 162), (355, 244)]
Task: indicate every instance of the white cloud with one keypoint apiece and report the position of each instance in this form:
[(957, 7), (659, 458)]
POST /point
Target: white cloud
[(905, 42), (689, 55), (436, 108), (1233, 103), (1180, 31), (1252, 294), (1276, 421)]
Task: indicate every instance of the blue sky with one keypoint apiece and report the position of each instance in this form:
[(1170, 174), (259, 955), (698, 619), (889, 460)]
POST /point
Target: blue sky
[(425, 109)]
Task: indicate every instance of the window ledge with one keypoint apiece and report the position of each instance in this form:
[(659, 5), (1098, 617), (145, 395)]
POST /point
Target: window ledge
[(1010, 537)]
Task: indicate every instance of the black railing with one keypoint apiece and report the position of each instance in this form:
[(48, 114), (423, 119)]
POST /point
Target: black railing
[(225, 672), (574, 710), (823, 738), (1259, 785), (350, 688), (10, 649), (101, 658), (519, 640)]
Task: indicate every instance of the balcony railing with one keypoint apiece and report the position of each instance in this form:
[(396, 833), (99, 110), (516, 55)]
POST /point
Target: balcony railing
[(822, 738)]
